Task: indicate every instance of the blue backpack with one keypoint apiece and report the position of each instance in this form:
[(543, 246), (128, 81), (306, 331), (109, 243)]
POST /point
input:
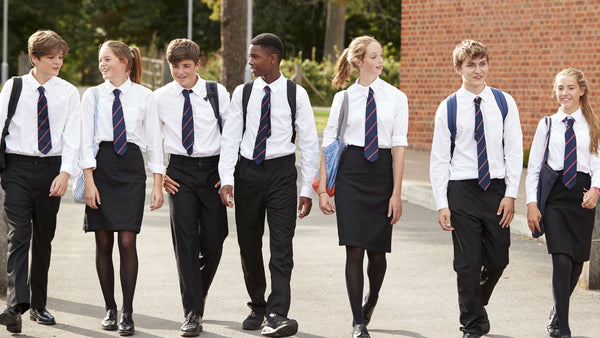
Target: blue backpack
[(451, 109)]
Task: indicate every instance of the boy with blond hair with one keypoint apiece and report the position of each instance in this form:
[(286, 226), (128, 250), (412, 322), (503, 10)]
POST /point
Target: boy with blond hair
[(475, 170)]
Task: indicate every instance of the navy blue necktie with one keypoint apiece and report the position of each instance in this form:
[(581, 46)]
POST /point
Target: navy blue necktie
[(119, 133), (371, 144), (44, 139), (482, 159), (264, 128), (187, 123), (569, 177)]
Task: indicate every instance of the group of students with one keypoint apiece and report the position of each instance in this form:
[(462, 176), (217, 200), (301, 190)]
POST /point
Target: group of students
[(250, 141)]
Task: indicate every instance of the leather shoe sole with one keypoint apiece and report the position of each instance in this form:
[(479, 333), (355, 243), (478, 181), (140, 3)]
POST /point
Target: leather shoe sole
[(11, 320)]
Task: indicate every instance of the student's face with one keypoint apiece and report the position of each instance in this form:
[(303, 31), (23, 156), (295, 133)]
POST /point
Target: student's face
[(473, 73), (48, 65), (184, 72), (568, 92), (262, 62), (372, 62), (111, 67)]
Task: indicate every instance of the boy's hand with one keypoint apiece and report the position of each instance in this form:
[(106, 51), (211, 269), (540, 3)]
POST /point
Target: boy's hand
[(226, 193), (59, 184), (304, 206), (170, 185), (444, 219), (507, 209)]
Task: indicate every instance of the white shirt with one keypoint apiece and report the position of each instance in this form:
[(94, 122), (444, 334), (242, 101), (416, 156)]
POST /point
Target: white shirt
[(279, 143), (64, 114), (207, 135), (586, 161), (505, 161), (141, 122), (392, 115)]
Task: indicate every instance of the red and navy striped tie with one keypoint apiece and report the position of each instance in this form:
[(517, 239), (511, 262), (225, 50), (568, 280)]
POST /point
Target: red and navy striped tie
[(569, 177), (371, 144), (187, 123), (482, 159), (264, 128), (44, 139), (119, 133)]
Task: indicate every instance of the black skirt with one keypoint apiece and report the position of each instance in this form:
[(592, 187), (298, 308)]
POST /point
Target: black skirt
[(568, 225), (121, 183), (362, 194)]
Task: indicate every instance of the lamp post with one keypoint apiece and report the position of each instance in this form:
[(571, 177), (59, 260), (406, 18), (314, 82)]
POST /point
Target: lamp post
[(247, 74), (4, 42)]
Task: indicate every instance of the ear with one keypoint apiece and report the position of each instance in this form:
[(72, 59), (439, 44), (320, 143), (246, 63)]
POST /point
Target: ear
[(273, 59), (458, 70), (34, 60)]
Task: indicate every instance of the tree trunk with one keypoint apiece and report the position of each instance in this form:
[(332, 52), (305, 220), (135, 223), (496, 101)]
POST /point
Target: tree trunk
[(233, 42), (336, 26)]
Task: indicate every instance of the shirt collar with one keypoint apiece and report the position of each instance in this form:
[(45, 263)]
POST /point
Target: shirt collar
[(275, 86), (486, 94), (375, 85), (577, 115), (123, 88), (33, 82), (199, 88)]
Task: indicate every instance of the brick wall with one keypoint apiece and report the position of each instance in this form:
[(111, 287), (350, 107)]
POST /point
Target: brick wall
[(529, 42)]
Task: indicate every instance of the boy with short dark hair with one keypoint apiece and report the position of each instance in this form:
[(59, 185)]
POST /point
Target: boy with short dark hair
[(190, 110), (261, 126), (41, 155), (475, 170)]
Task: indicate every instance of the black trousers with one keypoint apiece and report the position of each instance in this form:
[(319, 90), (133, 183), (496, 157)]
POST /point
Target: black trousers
[(198, 226), (269, 187), (480, 248), (31, 217)]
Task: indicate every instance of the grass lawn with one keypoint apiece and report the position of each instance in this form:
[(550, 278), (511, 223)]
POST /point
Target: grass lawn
[(321, 116)]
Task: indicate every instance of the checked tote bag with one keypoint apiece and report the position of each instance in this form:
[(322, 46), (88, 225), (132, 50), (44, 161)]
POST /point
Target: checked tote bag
[(333, 152), (79, 186)]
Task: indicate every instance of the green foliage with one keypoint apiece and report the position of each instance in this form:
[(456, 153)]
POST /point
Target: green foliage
[(526, 157), (380, 19), (319, 74)]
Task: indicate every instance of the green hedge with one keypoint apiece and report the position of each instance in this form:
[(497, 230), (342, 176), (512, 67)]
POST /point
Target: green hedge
[(319, 74)]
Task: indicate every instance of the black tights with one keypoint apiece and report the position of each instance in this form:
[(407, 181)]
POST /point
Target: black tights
[(565, 274), (355, 278), (128, 270)]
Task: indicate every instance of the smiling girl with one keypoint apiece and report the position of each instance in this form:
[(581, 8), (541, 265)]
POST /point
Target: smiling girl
[(115, 180), (569, 212)]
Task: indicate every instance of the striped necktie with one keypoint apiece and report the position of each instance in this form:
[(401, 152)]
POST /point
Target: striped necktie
[(569, 177), (371, 144), (44, 139), (482, 159), (119, 133), (187, 123), (264, 128)]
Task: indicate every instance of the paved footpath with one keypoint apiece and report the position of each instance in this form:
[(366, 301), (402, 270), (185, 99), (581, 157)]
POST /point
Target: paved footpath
[(418, 298)]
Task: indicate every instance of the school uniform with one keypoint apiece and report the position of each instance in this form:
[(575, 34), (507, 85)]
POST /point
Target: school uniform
[(269, 186), (198, 217), (120, 179), (27, 179), (480, 243), (363, 188), (568, 226)]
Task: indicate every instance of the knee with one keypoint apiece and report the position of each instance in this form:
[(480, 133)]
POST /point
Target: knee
[(127, 243)]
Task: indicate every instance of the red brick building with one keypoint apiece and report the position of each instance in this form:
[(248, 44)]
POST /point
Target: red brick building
[(529, 42)]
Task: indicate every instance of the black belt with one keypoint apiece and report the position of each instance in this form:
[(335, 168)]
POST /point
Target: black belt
[(188, 160)]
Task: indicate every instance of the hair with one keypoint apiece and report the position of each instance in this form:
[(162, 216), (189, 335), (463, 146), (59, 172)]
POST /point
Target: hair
[(469, 49), (271, 42), (591, 118), (130, 55), (346, 63), (45, 42), (182, 49)]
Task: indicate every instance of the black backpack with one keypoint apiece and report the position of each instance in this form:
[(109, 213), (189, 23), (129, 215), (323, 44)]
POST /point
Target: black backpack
[(291, 96)]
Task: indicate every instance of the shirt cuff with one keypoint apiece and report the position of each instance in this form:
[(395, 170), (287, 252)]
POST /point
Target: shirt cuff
[(227, 181), (512, 192), (399, 141), (156, 168), (69, 169), (87, 164), (306, 191)]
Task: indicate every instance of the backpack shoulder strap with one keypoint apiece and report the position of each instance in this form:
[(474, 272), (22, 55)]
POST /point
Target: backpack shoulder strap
[(291, 96), (212, 94), (451, 111), (501, 102), (245, 98), (12, 103)]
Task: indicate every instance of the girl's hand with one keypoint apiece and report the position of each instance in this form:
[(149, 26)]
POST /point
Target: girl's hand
[(590, 198), (533, 217), (325, 204)]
